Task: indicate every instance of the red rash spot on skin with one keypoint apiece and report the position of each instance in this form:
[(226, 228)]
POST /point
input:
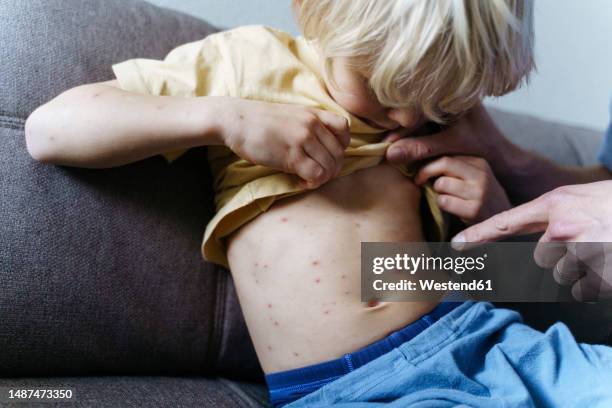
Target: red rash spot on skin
[(284, 219), (343, 276), (296, 354), (315, 263), (347, 292), (318, 280), (265, 265), (269, 306), (276, 323), (358, 225), (270, 348), (326, 312), (372, 302), (256, 281)]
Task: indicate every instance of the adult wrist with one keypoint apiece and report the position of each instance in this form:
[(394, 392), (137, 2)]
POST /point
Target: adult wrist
[(511, 162)]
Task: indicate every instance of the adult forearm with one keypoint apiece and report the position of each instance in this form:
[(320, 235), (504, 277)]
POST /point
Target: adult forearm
[(99, 125), (527, 175)]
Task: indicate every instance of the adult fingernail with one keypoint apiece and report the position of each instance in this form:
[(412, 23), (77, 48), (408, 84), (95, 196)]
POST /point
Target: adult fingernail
[(458, 242), (397, 154)]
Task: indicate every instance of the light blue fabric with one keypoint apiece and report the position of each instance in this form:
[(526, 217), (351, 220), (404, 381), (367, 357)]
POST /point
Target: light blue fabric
[(478, 356), (605, 154)]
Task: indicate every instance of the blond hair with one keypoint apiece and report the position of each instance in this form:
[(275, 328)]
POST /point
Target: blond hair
[(438, 56)]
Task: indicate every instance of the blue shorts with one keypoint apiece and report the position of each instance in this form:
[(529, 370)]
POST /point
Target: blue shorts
[(472, 355)]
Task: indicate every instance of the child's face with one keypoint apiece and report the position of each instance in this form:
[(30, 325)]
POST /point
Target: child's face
[(352, 92)]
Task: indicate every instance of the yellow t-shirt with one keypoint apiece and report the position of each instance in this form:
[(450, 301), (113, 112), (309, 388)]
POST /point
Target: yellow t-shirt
[(259, 63)]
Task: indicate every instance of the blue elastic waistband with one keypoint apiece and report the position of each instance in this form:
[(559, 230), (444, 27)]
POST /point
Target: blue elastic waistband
[(288, 386)]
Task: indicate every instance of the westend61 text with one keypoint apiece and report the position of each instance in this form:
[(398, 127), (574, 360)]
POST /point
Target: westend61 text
[(429, 285)]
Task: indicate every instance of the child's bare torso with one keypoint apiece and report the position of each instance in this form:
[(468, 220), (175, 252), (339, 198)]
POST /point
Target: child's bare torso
[(297, 268)]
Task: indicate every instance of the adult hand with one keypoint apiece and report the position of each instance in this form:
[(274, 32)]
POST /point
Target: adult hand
[(577, 239), (525, 175), (474, 134)]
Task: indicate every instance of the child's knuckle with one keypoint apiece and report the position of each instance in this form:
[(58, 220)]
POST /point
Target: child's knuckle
[(311, 120)]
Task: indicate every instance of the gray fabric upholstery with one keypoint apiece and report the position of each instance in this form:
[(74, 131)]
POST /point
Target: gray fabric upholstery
[(100, 270), (150, 392), (49, 46), (560, 143)]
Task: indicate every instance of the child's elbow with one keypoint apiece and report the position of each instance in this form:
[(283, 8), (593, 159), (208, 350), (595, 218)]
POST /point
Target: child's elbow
[(40, 141)]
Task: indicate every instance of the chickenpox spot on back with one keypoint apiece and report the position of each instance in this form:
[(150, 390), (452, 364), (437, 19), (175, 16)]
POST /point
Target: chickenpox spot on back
[(276, 323), (284, 219), (343, 276), (318, 280), (269, 305), (327, 311), (315, 263)]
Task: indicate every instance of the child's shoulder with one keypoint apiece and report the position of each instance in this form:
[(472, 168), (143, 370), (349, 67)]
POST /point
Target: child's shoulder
[(255, 36), (256, 30)]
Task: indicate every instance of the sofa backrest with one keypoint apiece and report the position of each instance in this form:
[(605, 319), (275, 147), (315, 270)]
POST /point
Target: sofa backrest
[(100, 270)]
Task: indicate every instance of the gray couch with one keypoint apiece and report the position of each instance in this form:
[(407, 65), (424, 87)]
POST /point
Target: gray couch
[(102, 287)]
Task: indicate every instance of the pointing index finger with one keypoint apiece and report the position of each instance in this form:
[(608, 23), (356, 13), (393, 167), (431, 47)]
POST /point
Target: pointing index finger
[(528, 218)]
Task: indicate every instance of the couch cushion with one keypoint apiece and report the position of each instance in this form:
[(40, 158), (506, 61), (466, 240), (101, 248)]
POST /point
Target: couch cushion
[(112, 392), (49, 46), (100, 270)]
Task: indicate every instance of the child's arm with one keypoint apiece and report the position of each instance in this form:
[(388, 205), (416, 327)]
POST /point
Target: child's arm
[(100, 125), (466, 187)]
